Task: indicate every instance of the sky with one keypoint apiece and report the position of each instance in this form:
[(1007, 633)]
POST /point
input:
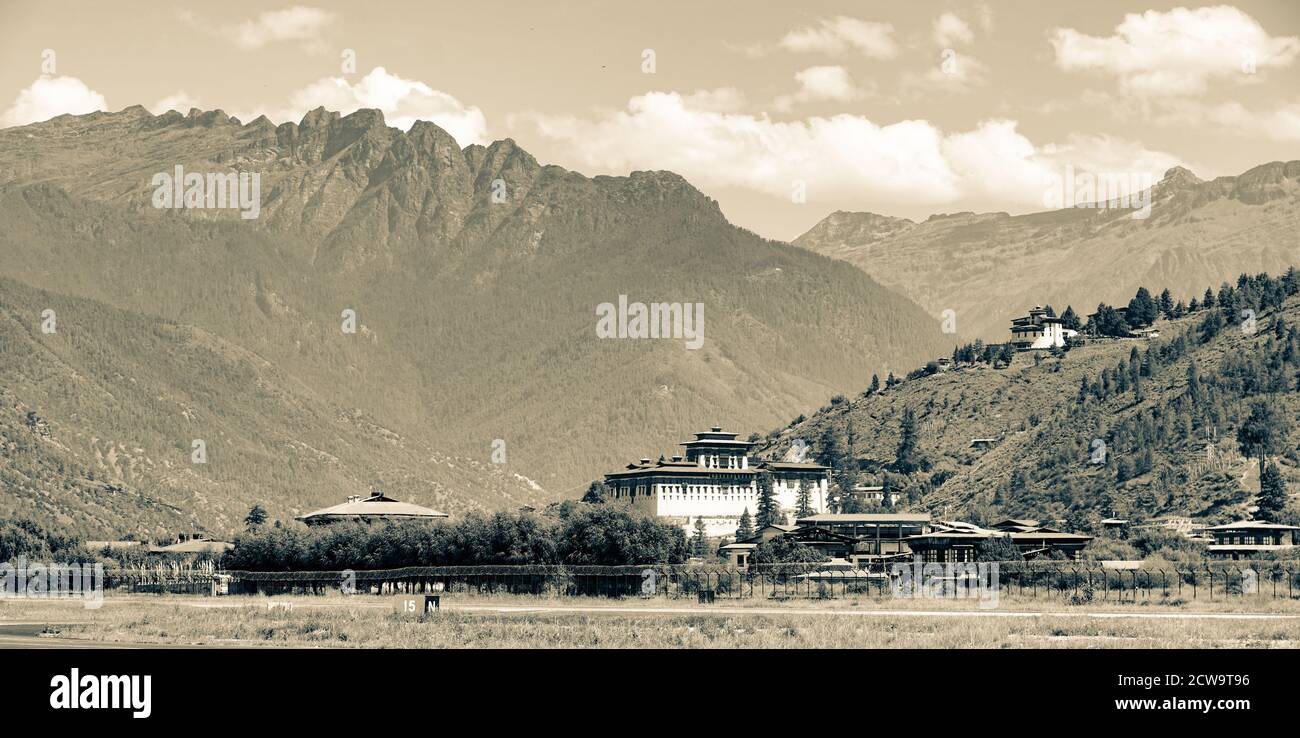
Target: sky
[(781, 113)]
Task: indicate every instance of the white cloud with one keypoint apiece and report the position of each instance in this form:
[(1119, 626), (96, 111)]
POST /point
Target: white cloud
[(298, 23), (843, 157), (950, 30), (952, 73), (403, 102), (819, 83), (1278, 123), (826, 83), (722, 100), (842, 34), (1177, 52), (178, 101), (48, 97)]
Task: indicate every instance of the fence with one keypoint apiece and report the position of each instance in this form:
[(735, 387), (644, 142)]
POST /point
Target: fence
[(1075, 581), (172, 578)]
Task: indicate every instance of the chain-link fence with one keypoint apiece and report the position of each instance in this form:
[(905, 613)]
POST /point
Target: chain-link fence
[(1076, 581)]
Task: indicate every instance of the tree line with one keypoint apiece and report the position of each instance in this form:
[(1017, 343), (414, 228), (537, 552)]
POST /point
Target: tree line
[(570, 533)]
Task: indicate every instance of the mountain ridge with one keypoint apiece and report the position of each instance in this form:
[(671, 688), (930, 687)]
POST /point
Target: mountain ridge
[(474, 318), (987, 267)]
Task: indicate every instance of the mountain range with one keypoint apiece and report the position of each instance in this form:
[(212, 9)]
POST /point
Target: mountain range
[(472, 378), (991, 267)]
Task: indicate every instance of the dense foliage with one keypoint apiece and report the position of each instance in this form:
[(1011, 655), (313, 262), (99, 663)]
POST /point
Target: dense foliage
[(572, 534), (38, 543)]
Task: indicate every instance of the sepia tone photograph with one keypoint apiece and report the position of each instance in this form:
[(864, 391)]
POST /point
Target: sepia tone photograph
[(356, 336)]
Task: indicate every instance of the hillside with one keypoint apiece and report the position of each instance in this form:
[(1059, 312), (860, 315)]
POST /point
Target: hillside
[(98, 420), (475, 317), (1170, 449), (990, 267)]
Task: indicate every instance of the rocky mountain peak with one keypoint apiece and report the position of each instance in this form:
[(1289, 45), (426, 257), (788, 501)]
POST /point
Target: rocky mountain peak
[(1180, 177)]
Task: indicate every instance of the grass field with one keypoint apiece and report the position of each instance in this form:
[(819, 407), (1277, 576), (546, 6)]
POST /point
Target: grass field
[(532, 622)]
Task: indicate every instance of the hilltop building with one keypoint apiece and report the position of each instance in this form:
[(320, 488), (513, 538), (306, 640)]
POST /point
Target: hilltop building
[(874, 494), (1039, 331), (376, 507), (717, 480)]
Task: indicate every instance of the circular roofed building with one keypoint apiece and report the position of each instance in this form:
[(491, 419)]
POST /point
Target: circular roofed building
[(369, 509)]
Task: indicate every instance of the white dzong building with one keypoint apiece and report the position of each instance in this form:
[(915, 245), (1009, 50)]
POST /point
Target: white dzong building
[(1038, 331), (716, 480)]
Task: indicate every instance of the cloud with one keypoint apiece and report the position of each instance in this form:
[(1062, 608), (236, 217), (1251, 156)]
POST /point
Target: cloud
[(953, 73), (722, 100), (842, 157), (178, 101), (1279, 123), (819, 83), (48, 97), (842, 34), (950, 30), (985, 14), (298, 23), (403, 102), (1174, 53)]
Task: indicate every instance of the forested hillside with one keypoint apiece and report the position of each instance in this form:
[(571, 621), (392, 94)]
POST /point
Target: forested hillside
[(1123, 427), (98, 419)]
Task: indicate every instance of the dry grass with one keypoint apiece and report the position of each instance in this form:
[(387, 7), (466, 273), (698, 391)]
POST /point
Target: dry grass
[(472, 622)]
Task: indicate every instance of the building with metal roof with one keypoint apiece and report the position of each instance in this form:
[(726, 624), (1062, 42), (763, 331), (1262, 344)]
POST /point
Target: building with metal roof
[(1244, 539), (376, 507)]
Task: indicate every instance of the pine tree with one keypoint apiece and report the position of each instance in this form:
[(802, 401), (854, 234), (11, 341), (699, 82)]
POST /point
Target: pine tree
[(1193, 384), (1070, 319), (768, 513), (907, 457), (1167, 304), (875, 383), (1142, 309), (1273, 496), (803, 502), (1260, 432), (256, 517), (700, 543), (745, 529), (1135, 374)]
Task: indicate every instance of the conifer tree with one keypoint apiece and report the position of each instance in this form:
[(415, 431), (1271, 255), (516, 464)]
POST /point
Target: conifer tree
[(803, 502), (767, 509), (1272, 494), (907, 457), (700, 543), (745, 529)]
